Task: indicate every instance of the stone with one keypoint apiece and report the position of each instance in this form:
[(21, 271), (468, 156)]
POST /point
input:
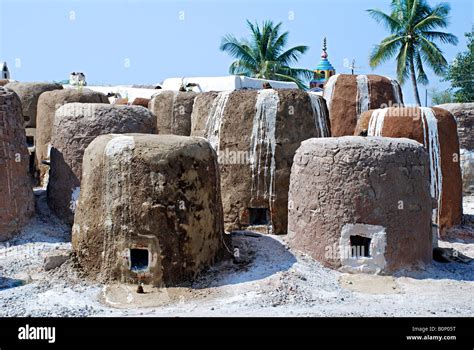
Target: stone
[(467, 170), (54, 261), (149, 210), (29, 94), (436, 129), (75, 127), (255, 134), (16, 194), (464, 115), (48, 103), (361, 204), (173, 111), (348, 96)]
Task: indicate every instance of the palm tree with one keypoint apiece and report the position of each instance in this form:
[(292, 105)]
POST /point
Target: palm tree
[(264, 56), (413, 24)]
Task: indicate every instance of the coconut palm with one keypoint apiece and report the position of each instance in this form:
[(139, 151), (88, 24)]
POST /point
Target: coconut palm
[(264, 56), (414, 25)]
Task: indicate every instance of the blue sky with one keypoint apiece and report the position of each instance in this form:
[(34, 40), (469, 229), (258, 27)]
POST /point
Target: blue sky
[(144, 41)]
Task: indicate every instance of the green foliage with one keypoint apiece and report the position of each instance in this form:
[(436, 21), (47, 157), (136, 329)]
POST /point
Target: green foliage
[(460, 73), (264, 56), (440, 97)]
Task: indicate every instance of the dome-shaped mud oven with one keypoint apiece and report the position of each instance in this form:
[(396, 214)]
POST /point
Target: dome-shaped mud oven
[(435, 128), (255, 134), (75, 127), (348, 96), (149, 209), (361, 204), (48, 103), (16, 197), (173, 111)]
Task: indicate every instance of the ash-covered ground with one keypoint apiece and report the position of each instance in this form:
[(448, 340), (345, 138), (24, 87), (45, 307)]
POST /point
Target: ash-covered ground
[(268, 280)]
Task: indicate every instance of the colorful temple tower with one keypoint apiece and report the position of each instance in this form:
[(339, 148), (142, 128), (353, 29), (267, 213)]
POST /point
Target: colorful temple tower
[(324, 70)]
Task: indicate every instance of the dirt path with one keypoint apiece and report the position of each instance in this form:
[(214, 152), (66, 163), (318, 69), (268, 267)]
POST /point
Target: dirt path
[(271, 280)]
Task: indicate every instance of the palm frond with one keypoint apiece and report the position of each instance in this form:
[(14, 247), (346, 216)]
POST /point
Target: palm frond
[(300, 73), (284, 77), (292, 55), (239, 67), (422, 78), (412, 10), (445, 38), (402, 67), (267, 32), (433, 55), (437, 17), (385, 50), (279, 44), (390, 22), (237, 49)]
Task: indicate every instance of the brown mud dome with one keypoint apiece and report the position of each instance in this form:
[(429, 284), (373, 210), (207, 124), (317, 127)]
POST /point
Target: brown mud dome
[(256, 133), (149, 210), (16, 195), (436, 129), (348, 96), (48, 103), (173, 112), (29, 94), (368, 194), (76, 125)]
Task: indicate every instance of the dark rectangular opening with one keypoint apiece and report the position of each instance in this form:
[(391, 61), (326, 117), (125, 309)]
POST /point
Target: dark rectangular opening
[(138, 259), (30, 141), (360, 246), (258, 216)]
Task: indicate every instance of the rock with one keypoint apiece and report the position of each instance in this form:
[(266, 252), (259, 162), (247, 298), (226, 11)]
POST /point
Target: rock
[(54, 261), (16, 195), (348, 96), (467, 169), (29, 94), (464, 114), (149, 209), (48, 102), (75, 127), (173, 112), (434, 126), (361, 204), (4, 82), (255, 133)]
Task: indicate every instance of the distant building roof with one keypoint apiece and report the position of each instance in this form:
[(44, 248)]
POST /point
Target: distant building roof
[(231, 82)]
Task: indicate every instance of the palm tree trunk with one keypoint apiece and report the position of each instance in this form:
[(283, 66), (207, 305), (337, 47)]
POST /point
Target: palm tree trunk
[(413, 80)]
